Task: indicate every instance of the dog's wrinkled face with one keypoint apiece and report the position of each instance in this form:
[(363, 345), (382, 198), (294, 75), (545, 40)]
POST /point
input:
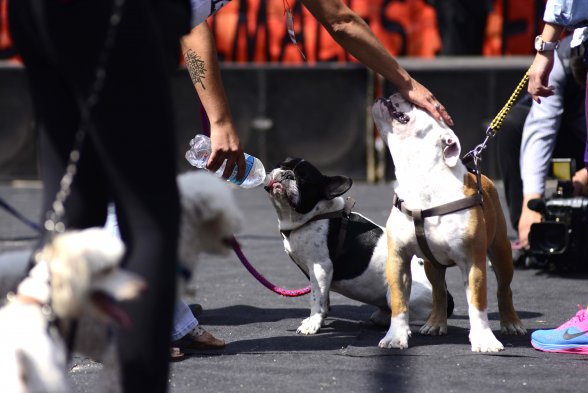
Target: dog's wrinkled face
[(398, 120), (301, 185), (393, 114)]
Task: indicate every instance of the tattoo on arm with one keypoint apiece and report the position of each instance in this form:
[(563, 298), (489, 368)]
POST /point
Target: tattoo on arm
[(195, 66)]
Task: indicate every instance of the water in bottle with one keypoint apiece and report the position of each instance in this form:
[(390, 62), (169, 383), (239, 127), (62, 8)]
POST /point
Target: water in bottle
[(200, 151)]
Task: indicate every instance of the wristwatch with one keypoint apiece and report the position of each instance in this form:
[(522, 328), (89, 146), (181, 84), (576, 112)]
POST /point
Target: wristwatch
[(542, 46)]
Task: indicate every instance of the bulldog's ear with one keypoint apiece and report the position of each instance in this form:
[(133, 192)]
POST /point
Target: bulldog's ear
[(337, 185), (451, 150), (288, 162)]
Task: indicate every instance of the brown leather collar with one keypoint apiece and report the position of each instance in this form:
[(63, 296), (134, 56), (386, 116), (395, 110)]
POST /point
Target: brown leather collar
[(419, 215)]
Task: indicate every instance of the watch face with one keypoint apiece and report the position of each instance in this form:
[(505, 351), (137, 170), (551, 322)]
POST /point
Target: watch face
[(538, 43)]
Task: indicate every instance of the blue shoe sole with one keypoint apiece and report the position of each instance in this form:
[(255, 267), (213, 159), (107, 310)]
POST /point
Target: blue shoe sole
[(560, 348)]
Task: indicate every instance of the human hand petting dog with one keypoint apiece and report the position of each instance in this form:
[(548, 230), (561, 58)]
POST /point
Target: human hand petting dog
[(422, 97)]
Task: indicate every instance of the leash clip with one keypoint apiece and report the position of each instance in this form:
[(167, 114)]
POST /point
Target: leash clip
[(490, 132)]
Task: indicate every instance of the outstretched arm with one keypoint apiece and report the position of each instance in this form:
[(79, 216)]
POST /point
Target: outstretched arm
[(200, 54), (353, 34)]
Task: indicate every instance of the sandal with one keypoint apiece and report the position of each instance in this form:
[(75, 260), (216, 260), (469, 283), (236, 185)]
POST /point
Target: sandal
[(198, 339), (176, 354)]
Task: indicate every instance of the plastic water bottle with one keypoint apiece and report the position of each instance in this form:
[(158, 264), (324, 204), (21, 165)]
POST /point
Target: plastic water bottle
[(200, 151)]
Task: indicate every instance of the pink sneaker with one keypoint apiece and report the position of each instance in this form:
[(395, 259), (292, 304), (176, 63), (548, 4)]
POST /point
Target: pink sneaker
[(571, 337)]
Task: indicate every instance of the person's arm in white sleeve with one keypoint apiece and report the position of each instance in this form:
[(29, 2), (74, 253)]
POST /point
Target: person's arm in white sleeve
[(537, 145)]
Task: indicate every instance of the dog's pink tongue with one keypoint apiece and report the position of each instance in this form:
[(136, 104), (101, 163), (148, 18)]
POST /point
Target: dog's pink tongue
[(120, 316), (109, 307)]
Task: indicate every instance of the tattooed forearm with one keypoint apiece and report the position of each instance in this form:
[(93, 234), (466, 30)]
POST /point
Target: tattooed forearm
[(195, 66)]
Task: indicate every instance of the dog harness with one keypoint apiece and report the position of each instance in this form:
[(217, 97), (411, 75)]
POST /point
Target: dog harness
[(342, 214), (419, 215)]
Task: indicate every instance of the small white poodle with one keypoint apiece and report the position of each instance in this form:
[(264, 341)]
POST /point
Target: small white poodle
[(75, 274)]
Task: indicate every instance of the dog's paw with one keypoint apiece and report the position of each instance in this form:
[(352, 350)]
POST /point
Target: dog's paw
[(433, 329), (395, 340), (380, 317), (483, 340), (513, 328), (398, 333), (311, 325)]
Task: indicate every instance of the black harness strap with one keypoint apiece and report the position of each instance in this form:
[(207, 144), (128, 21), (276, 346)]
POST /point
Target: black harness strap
[(342, 214), (419, 215)]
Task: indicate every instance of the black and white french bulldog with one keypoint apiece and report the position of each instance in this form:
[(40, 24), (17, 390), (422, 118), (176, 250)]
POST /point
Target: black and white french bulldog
[(336, 248)]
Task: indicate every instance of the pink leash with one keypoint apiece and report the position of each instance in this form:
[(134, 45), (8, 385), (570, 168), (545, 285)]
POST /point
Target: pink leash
[(261, 279), (237, 247)]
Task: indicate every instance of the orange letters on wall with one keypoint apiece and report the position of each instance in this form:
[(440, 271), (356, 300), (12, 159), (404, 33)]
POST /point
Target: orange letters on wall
[(255, 30), (6, 49), (512, 26)]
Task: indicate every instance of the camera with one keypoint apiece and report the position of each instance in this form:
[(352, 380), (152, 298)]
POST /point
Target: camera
[(560, 241)]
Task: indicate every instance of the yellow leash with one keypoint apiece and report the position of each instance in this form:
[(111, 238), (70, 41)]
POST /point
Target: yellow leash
[(499, 119), (496, 122)]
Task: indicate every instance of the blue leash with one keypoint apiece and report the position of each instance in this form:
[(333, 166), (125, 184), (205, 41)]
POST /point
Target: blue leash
[(33, 225)]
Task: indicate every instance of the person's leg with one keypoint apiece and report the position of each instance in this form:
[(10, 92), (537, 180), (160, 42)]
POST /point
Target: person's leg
[(184, 321), (586, 106), (135, 150), (135, 140), (188, 335), (571, 336), (57, 117)]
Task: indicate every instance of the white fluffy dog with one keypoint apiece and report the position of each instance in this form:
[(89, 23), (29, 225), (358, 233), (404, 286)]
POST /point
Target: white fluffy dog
[(76, 273), (210, 217)]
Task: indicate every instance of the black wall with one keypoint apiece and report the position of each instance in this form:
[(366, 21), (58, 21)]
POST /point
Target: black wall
[(473, 90), (17, 142), (316, 112)]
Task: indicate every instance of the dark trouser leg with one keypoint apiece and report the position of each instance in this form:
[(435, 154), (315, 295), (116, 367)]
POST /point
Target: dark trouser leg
[(129, 157)]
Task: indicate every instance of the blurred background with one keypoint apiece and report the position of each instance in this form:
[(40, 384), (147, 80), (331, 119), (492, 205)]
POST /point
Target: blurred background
[(470, 53)]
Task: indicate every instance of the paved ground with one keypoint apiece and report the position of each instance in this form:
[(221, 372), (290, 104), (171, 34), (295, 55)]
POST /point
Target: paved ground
[(264, 353)]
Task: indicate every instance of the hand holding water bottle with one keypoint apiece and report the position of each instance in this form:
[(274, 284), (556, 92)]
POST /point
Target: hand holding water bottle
[(200, 151), (225, 148)]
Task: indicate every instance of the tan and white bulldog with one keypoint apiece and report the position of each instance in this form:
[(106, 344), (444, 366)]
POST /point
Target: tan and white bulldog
[(429, 172)]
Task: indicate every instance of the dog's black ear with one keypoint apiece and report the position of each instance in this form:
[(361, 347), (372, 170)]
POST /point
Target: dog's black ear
[(337, 185)]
